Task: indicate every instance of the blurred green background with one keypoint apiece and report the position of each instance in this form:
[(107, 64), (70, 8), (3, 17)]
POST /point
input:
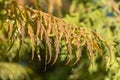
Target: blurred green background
[(101, 16)]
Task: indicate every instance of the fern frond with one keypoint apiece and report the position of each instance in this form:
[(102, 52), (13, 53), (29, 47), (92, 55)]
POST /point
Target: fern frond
[(52, 30)]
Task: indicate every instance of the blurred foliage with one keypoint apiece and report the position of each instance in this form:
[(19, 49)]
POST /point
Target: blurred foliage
[(12, 71), (37, 40), (103, 17)]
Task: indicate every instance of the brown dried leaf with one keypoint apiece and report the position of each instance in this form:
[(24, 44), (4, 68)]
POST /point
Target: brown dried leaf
[(57, 44), (10, 30), (32, 37), (79, 52)]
